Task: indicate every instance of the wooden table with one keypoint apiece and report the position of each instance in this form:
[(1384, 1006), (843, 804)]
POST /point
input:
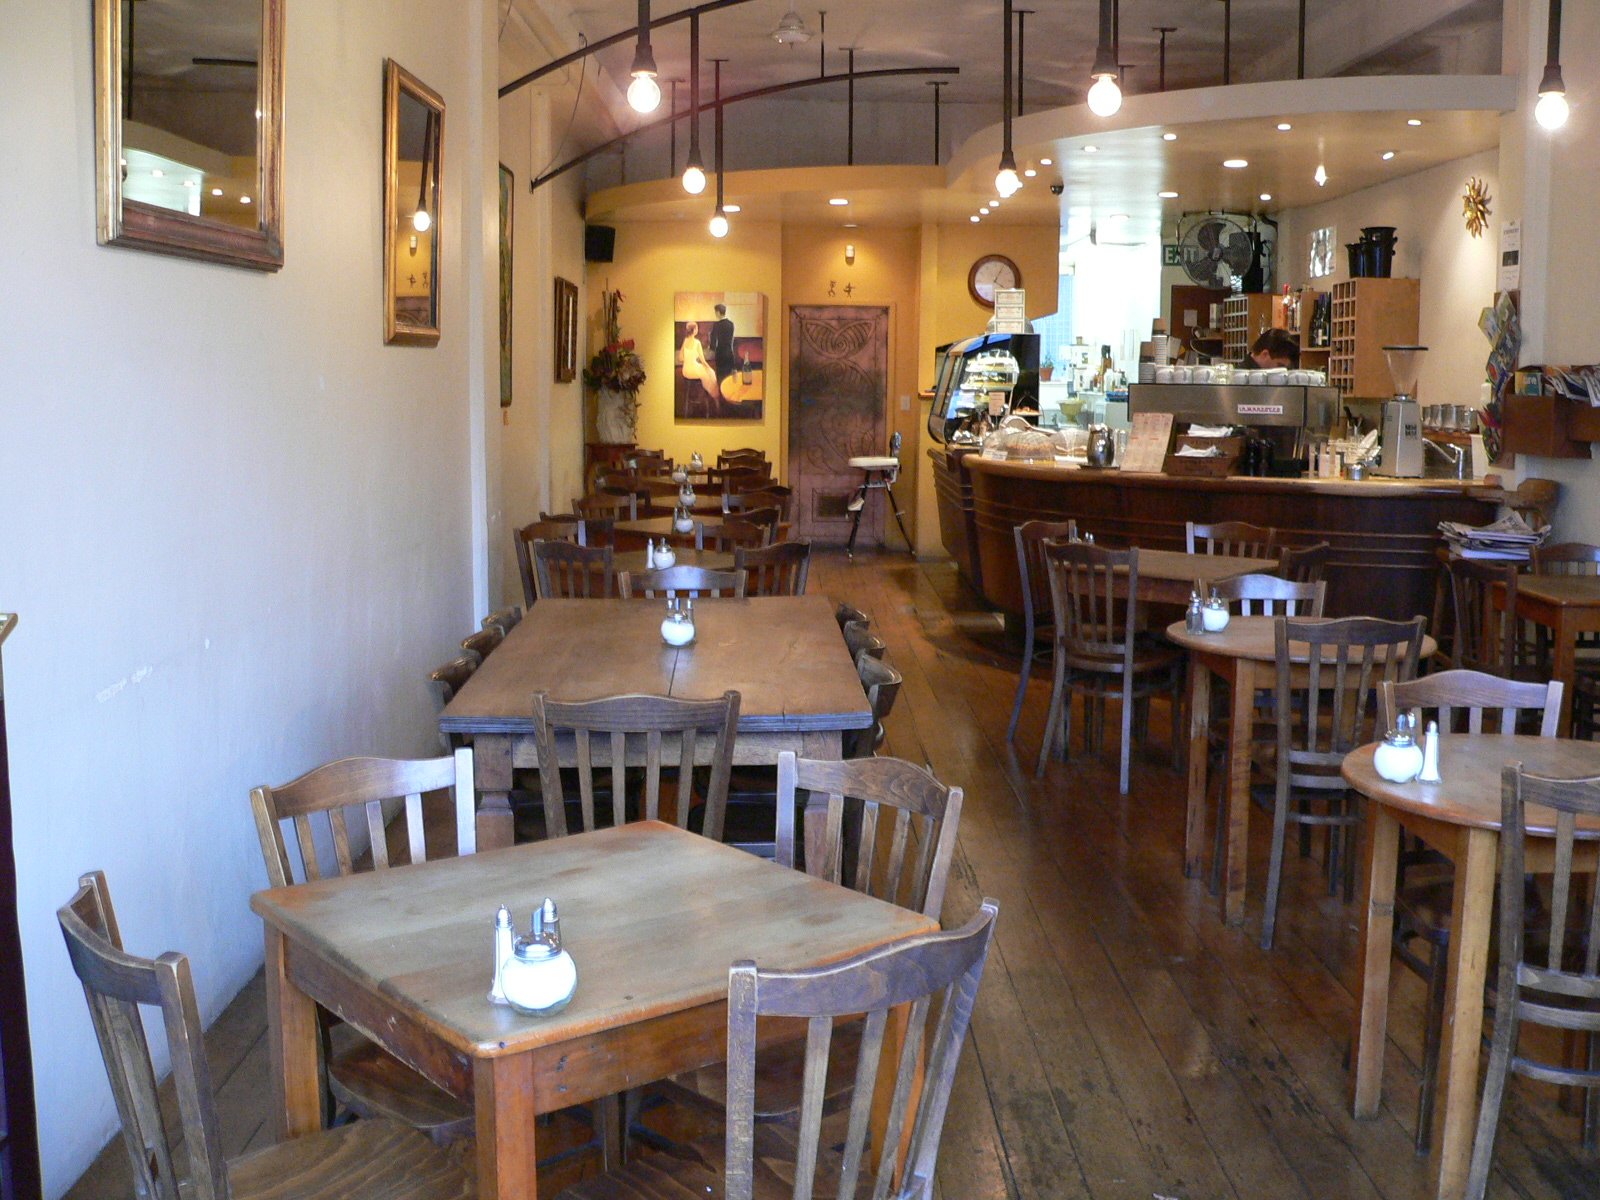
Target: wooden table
[(633, 533), (1168, 576), (683, 556), (653, 917), (1459, 817), (783, 654), (1567, 605), (1242, 655)]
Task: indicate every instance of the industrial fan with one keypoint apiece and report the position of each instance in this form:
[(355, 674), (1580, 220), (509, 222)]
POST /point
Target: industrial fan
[(1216, 250)]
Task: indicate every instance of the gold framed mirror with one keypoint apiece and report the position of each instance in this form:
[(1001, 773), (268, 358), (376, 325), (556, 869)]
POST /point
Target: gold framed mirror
[(189, 128), (413, 145)]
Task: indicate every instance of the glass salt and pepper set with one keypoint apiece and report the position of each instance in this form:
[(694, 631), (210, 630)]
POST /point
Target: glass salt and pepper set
[(534, 975), (1210, 616), (1399, 759)]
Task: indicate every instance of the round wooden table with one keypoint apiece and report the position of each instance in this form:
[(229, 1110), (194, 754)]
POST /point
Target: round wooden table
[(711, 560), (1459, 817), (1242, 655)]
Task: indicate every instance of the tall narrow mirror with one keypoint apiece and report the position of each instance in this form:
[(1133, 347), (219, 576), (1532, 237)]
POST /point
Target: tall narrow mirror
[(413, 136), (189, 124)]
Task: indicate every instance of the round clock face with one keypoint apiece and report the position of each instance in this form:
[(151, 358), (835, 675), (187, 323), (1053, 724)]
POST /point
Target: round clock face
[(990, 273)]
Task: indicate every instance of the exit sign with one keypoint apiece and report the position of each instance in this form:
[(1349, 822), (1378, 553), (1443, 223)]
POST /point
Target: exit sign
[(1171, 254)]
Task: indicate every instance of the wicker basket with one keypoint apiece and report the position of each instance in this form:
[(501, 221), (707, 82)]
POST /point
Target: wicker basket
[(1217, 467)]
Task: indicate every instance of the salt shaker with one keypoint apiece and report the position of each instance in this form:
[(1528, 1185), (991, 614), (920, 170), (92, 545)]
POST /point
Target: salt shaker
[(1194, 619), (1430, 754), (504, 938)]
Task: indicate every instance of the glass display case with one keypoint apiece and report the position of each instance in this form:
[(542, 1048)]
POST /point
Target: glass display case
[(980, 381)]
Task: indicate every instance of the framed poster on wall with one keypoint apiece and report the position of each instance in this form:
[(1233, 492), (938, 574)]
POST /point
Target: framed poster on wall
[(566, 330), (720, 359)]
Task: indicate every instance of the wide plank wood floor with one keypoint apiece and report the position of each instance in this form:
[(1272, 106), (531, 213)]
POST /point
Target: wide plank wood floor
[(1125, 1043)]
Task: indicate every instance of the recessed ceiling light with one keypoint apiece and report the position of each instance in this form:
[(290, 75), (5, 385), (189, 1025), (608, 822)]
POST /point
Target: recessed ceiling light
[(1266, 196), (851, 225), (1091, 149), (158, 172), (1045, 162), (1236, 164), (1029, 173), (244, 199), (190, 183), (838, 201), (727, 208), (1284, 127), (1387, 155), (1321, 175), (974, 219), (1168, 195), (1117, 217), (1413, 121), (984, 210), (1169, 137), (216, 191)]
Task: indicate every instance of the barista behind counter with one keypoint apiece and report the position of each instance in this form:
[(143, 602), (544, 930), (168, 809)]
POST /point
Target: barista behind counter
[(1274, 348)]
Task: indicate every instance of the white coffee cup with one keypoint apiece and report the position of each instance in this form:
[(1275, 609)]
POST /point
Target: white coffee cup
[(1278, 376), (1201, 374), (1181, 374), (1258, 378), (1163, 374), (1298, 378)]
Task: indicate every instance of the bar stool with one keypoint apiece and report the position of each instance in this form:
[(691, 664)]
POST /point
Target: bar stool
[(879, 471)]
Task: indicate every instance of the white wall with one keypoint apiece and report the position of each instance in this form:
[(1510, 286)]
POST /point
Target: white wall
[(237, 527), (1457, 270)]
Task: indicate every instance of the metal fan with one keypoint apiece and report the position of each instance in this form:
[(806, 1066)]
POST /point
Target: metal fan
[(1215, 250)]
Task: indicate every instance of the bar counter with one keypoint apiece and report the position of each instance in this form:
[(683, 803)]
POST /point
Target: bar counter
[(1383, 532)]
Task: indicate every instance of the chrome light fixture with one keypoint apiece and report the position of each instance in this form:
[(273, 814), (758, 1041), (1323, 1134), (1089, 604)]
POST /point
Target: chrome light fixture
[(694, 171), (791, 30), (644, 93), (1105, 96), (1006, 181), (1551, 110)]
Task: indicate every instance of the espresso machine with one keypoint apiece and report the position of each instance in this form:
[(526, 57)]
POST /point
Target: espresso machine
[(1401, 457)]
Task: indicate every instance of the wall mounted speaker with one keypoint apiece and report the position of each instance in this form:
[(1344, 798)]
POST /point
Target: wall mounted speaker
[(599, 243)]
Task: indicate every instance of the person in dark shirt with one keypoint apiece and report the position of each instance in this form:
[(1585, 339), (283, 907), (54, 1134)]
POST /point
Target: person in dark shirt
[(720, 343), (1274, 348)]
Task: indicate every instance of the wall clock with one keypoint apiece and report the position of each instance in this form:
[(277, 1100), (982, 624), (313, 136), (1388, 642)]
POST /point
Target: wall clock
[(990, 273)]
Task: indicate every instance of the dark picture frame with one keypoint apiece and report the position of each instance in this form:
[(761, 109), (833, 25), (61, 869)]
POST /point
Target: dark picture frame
[(566, 330)]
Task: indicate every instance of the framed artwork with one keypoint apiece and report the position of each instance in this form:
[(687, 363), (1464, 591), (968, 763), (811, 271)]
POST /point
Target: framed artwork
[(413, 138), (720, 356), (507, 213), (566, 331), (1319, 264)]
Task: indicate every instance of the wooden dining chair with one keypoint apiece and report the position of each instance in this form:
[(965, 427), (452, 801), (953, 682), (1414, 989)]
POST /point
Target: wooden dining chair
[(567, 528), (1304, 564), (1098, 649), (444, 682), (1557, 986), (483, 643), (607, 506), (767, 518), (1488, 635), (373, 1159), (731, 534), (846, 613), (607, 733), (882, 684), (683, 582), (339, 798), (730, 458), (1034, 583), (1573, 558), (1232, 537), (859, 639), (1271, 596), (771, 496), (568, 572), (777, 570), (1462, 702), (504, 619), (1325, 709)]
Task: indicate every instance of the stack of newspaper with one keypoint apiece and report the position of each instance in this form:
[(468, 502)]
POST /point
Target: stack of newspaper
[(1508, 538)]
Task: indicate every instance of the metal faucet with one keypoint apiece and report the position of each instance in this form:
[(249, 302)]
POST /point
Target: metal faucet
[(1456, 456)]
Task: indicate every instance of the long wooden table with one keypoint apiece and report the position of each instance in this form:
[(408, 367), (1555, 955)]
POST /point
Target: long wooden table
[(783, 654), (1460, 817), (1168, 576), (653, 917)]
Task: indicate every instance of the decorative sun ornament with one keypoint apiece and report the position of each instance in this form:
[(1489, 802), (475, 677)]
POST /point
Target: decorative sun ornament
[(1475, 206)]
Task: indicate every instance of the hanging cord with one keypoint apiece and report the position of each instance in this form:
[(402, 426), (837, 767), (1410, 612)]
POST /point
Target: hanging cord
[(504, 17), (572, 116)]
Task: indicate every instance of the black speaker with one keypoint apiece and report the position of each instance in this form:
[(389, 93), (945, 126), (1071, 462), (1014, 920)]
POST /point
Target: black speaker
[(599, 243)]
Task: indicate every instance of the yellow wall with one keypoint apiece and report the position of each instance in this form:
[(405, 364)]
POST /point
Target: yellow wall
[(653, 262), (1036, 249)]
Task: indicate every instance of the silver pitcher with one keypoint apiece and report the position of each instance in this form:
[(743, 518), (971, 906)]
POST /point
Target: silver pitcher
[(1102, 450)]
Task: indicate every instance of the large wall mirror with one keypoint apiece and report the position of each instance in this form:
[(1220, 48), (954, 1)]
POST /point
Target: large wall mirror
[(413, 140), (189, 128)]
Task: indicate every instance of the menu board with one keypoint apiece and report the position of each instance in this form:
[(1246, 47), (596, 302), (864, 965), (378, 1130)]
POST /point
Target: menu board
[(1010, 310), (1148, 442)]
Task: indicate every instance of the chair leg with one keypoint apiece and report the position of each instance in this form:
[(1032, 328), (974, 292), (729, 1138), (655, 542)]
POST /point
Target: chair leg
[(1591, 1098), (857, 505), (1053, 716), (1127, 729), (1219, 841), (611, 1131), (1269, 917), (898, 520), (1432, 1035), (1494, 1091), (1022, 683)]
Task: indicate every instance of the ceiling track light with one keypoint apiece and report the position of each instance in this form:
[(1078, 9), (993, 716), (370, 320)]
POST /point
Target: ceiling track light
[(1105, 96), (644, 93), (1006, 180), (1551, 110), (694, 170), (791, 29)]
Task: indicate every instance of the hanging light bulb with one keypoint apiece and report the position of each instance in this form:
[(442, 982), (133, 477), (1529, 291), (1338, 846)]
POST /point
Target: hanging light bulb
[(1552, 109), (694, 172), (644, 93), (694, 178), (1321, 175), (1007, 181), (719, 215), (719, 224), (1105, 96), (421, 221)]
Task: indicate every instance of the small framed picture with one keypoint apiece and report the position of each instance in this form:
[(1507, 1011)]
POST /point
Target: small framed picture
[(566, 330), (1320, 263)]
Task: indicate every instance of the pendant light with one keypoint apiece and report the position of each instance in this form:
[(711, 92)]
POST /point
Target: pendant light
[(694, 171), (1105, 96), (1006, 182), (719, 218), (791, 29), (644, 93), (1551, 110)]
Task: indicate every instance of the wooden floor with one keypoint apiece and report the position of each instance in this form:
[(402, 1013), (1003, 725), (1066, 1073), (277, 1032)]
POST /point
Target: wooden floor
[(1125, 1043)]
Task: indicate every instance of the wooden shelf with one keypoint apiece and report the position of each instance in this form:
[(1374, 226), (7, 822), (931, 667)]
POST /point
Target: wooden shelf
[(1369, 314), (1244, 316)]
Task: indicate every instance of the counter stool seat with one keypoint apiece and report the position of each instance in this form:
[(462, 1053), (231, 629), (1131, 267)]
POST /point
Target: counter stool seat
[(875, 462)]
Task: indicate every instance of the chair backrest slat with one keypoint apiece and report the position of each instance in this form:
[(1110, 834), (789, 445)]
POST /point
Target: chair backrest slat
[(1485, 631), (566, 571), (1092, 620), (1304, 564), (776, 570), (1475, 696), (1272, 596), (1030, 538), (1232, 537), (681, 581), (1566, 558)]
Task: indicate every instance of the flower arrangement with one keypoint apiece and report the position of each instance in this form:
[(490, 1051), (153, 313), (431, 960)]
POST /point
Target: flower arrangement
[(616, 366)]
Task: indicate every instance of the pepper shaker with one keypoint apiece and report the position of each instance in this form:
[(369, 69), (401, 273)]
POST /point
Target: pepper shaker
[(504, 939), (1430, 754)]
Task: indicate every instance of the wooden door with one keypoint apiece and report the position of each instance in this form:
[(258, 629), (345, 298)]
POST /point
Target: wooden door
[(838, 407)]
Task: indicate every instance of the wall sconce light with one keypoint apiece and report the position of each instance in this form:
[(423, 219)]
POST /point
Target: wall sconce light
[(413, 243), (849, 254)]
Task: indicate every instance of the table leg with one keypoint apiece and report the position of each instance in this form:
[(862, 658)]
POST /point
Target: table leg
[(1457, 1113), (1194, 827), (1382, 843), (294, 1043), (1564, 665), (491, 763), (826, 744), (502, 1097), (1241, 718)]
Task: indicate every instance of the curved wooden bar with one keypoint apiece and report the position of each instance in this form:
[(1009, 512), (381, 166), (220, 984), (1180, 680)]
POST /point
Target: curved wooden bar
[(1383, 532)]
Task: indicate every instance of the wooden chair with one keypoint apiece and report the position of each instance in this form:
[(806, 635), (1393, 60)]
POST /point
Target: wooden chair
[(366, 1080), (483, 643), (684, 582), (1272, 596), (1034, 582), (568, 572), (444, 682), (862, 640), (1460, 701), (1304, 564), (1558, 988), (368, 1160), (772, 496), (1232, 537), (1098, 649), (566, 528), (846, 613), (607, 507), (730, 535), (1325, 709), (619, 719), (731, 458), (882, 685), (778, 570), (1487, 635), (585, 531), (1573, 558), (767, 518), (937, 973), (505, 620)]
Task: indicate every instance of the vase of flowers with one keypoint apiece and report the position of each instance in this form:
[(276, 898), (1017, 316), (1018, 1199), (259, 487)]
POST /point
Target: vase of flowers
[(615, 372)]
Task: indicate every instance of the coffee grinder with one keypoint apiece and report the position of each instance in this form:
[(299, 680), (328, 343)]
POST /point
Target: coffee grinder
[(1402, 416)]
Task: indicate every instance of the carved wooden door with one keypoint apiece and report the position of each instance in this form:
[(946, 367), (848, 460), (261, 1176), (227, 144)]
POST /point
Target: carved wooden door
[(838, 407)]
